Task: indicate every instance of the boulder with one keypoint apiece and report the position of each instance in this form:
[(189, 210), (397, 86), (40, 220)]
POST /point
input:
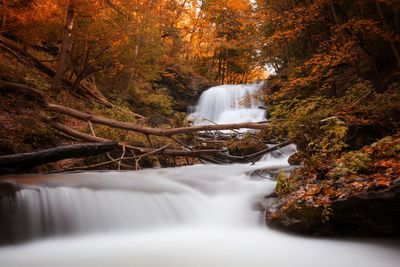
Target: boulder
[(368, 214)]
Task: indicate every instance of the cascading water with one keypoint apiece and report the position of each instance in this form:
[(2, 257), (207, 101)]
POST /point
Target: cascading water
[(229, 104), (192, 216)]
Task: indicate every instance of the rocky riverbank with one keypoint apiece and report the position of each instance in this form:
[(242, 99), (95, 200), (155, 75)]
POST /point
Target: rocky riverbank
[(357, 195)]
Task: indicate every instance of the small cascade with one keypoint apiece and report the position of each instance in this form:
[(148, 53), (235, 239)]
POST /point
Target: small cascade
[(229, 104), (84, 203), (62, 210)]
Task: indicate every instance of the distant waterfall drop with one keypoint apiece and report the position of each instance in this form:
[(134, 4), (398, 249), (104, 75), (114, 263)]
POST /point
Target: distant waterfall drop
[(229, 104)]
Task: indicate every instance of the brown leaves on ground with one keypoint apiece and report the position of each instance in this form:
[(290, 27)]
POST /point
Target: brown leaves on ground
[(313, 190), (346, 178)]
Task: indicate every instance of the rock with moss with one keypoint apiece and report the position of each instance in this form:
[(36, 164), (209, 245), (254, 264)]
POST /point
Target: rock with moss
[(357, 195)]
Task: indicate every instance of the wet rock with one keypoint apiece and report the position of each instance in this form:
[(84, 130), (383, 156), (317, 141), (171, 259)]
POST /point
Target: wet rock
[(270, 173), (365, 214), (295, 159)]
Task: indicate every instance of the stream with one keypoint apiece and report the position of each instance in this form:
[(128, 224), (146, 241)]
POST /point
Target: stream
[(202, 215)]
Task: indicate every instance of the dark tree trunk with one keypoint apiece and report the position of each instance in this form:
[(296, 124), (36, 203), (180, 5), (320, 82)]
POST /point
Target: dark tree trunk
[(33, 159), (66, 47)]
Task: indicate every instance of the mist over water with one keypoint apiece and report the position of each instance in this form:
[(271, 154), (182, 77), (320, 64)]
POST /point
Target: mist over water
[(193, 216)]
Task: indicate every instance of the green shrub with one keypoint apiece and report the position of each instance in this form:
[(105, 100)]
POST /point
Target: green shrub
[(284, 184), (352, 163)]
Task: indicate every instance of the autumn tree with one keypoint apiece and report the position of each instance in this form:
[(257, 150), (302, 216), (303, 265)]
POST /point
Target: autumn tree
[(325, 44), (218, 39)]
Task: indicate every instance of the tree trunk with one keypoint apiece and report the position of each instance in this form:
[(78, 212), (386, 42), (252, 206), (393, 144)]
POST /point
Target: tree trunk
[(219, 75), (141, 150), (223, 71), (151, 131), (66, 47), (33, 159)]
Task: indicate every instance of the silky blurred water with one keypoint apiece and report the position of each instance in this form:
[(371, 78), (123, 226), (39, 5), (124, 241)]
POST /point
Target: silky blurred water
[(192, 216), (229, 104)]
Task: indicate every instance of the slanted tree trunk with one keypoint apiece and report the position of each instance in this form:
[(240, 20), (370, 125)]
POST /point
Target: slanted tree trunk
[(66, 47)]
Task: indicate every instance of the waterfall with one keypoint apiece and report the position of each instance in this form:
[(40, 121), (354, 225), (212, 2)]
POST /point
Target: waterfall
[(63, 210), (229, 104), (202, 215)]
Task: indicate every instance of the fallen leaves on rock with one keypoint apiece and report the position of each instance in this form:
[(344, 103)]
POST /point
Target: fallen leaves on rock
[(382, 173)]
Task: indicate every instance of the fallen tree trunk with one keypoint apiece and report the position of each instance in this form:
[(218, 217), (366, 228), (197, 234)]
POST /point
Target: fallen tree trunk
[(33, 159), (150, 131), (167, 152)]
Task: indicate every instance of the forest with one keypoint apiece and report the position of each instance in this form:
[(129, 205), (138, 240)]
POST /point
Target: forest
[(89, 85)]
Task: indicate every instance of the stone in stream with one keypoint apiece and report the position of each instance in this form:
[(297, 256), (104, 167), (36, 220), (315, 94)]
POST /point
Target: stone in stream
[(295, 159)]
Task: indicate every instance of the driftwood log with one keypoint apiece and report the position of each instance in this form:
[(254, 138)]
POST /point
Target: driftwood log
[(33, 159)]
